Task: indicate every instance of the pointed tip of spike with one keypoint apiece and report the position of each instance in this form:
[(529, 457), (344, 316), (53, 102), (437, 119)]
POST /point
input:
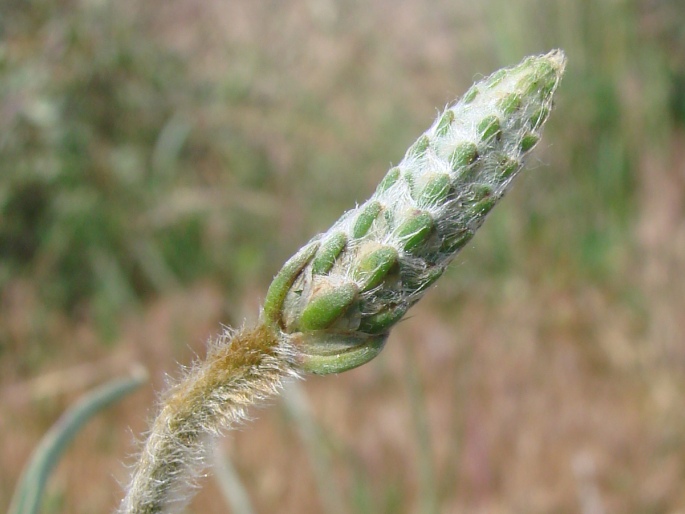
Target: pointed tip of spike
[(557, 58)]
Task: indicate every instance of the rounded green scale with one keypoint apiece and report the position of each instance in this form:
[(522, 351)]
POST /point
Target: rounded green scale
[(369, 212), (329, 251), (548, 80), (382, 321), (431, 277), (489, 127), (540, 81), (539, 117), (388, 218), (480, 191), (456, 242), (390, 178), (509, 103), (470, 95), (463, 155), (373, 267), (409, 179), (435, 190), (483, 207), (415, 230), (419, 147), (528, 142), (507, 167), (445, 122), (325, 308), (426, 279), (496, 77)]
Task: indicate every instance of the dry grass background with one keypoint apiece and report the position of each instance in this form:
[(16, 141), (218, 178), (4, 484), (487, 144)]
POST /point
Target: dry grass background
[(545, 372)]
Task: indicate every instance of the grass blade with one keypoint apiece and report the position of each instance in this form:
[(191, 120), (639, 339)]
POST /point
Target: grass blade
[(29, 492)]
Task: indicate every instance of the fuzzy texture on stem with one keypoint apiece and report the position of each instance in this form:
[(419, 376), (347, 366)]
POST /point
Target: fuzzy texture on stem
[(241, 369), (332, 305)]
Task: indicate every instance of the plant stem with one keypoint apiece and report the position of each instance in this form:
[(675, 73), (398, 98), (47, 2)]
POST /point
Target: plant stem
[(241, 369)]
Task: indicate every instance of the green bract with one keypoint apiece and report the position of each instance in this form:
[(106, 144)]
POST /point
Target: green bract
[(329, 251)]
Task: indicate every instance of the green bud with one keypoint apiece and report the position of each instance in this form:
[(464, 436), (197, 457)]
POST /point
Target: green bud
[(483, 207), (389, 179), (509, 103), (541, 82), (374, 266), (325, 308), (430, 277), (365, 219), (548, 79), (489, 127), (480, 191), (424, 211), (507, 167), (415, 231), (382, 321), (528, 142), (496, 77), (419, 147), (435, 190), (463, 155), (456, 242), (470, 95), (328, 252), (409, 179), (426, 279), (539, 117), (445, 123)]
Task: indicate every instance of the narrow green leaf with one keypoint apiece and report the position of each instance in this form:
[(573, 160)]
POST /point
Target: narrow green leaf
[(29, 491), (278, 290)]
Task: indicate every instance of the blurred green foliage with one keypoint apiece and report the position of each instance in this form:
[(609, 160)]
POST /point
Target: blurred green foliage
[(103, 190), (85, 111)]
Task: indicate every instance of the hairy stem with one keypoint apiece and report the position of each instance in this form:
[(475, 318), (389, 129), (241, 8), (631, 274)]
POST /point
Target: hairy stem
[(241, 369)]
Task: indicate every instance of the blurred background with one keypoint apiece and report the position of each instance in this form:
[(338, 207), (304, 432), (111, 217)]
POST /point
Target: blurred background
[(160, 160)]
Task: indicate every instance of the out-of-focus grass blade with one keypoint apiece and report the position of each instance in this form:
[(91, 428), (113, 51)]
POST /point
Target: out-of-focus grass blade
[(230, 484), (29, 491), (428, 493), (297, 406)]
